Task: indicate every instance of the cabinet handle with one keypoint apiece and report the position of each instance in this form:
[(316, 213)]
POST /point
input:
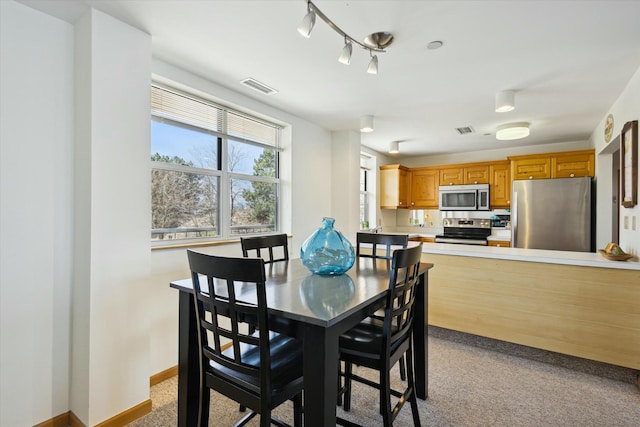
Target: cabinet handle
[(412, 203), (498, 245), (475, 182), (451, 183), (572, 175), (531, 177)]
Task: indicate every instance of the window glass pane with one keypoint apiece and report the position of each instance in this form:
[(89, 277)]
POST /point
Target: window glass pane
[(183, 205), (251, 159), (172, 142), (253, 206)]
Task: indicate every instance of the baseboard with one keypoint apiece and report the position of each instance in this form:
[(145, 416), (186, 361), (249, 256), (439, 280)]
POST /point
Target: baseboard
[(61, 420), (74, 421), (163, 375), (130, 415)]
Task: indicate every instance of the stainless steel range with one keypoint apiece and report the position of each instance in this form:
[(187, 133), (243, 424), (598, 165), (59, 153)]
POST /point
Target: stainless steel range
[(466, 231)]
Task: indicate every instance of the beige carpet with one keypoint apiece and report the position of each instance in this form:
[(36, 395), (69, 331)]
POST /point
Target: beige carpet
[(475, 382)]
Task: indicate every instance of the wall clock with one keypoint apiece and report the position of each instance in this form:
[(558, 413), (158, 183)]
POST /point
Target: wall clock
[(608, 128)]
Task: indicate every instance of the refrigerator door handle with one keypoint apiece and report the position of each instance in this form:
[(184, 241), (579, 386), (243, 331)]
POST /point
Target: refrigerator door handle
[(514, 220)]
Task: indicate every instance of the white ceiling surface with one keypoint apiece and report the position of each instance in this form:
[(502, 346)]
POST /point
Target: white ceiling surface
[(568, 62)]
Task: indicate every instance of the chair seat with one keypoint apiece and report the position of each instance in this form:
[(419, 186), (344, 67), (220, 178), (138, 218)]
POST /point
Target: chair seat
[(286, 363), (365, 337)]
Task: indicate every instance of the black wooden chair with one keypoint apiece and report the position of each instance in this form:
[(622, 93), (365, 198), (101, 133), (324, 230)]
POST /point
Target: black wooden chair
[(266, 242), (381, 346), (260, 370), (380, 239), (388, 241)]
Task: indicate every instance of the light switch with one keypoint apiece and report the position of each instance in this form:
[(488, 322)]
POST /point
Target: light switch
[(626, 222), (633, 223)]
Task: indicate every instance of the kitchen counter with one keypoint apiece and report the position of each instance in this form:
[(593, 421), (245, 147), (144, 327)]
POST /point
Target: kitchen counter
[(585, 259), (573, 303)]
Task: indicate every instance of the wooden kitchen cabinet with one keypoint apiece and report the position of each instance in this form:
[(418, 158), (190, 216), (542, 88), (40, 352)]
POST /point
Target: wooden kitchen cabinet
[(535, 166), (462, 174), (451, 176), (566, 164), (500, 185), (499, 243), (424, 188), (394, 187), (476, 174), (573, 164), (423, 239)]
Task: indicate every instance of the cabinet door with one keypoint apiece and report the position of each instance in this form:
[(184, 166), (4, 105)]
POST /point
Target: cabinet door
[(476, 175), (500, 185), (452, 176), (394, 187), (424, 188), (531, 168), (572, 165)]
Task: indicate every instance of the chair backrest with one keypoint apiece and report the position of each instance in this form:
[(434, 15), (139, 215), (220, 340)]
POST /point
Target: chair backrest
[(214, 284), (380, 239), (266, 242), (399, 309)]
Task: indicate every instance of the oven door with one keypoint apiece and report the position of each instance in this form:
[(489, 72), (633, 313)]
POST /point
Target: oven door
[(457, 199)]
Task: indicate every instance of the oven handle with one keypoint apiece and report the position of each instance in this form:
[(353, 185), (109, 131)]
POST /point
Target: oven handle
[(514, 220)]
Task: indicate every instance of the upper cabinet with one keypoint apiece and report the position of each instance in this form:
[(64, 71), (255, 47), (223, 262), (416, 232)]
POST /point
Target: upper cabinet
[(417, 188), (424, 188), (394, 187), (476, 174), (500, 185), (567, 164), (530, 167), (463, 174), (573, 164)]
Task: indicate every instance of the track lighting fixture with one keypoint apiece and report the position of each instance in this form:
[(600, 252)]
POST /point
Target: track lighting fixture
[(373, 65), (307, 23), (375, 42), (345, 56)]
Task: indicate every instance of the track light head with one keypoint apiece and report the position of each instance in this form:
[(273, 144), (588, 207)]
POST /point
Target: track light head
[(345, 56), (373, 65), (307, 23)]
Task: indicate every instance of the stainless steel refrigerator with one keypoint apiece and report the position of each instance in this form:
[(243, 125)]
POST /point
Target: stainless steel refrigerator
[(555, 214)]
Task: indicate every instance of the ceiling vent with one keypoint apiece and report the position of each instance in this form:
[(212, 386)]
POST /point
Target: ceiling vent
[(464, 130), (260, 87)]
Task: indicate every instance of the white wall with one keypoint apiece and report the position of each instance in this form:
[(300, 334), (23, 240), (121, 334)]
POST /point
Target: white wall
[(307, 160), (626, 108), (36, 173), (344, 179)]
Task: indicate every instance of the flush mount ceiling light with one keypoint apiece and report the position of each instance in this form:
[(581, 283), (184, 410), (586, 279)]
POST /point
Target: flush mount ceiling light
[(375, 42), (505, 101), (366, 124), (511, 131), (394, 147)]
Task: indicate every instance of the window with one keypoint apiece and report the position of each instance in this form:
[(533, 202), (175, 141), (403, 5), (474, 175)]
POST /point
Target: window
[(214, 170), (367, 184)]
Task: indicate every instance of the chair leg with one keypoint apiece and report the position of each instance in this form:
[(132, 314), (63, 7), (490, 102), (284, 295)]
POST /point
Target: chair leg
[(413, 399), (203, 415), (347, 386), (403, 372), (297, 410), (385, 397)]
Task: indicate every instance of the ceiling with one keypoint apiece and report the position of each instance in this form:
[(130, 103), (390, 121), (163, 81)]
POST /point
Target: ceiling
[(568, 62)]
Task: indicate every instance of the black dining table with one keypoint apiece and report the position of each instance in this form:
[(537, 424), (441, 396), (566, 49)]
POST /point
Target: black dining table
[(315, 309)]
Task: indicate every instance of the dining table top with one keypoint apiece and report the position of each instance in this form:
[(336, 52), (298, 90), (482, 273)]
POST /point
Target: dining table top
[(295, 293)]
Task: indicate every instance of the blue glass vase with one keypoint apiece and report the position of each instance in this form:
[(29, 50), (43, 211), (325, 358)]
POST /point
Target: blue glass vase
[(327, 251)]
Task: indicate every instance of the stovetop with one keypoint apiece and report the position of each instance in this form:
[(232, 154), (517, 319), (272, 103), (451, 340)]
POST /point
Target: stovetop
[(465, 230)]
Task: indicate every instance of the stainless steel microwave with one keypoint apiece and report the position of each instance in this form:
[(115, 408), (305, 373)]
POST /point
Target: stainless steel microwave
[(464, 197)]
